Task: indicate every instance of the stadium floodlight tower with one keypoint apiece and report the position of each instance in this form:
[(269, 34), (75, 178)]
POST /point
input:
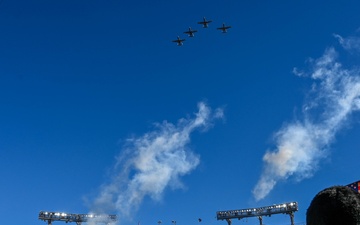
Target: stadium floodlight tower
[(284, 208), (49, 217)]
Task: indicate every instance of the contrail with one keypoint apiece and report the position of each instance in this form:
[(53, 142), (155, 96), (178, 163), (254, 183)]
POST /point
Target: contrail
[(300, 144), (151, 163)]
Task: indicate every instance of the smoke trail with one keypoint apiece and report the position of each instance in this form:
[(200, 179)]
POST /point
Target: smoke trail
[(301, 144), (151, 163)]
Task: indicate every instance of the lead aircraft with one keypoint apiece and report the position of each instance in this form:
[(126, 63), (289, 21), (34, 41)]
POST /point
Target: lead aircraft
[(205, 22)]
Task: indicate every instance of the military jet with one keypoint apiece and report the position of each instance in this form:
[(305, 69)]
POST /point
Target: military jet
[(205, 22), (224, 28), (190, 32), (179, 41)]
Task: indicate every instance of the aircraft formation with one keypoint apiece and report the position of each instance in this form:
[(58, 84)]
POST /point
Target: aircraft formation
[(205, 24)]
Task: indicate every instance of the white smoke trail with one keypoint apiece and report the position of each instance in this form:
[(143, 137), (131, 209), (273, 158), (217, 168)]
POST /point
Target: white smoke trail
[(151, 163), (301, 144)]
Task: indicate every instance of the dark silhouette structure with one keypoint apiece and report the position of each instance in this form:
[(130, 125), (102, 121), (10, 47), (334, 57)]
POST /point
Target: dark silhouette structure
[(284, 208), (338, 205)]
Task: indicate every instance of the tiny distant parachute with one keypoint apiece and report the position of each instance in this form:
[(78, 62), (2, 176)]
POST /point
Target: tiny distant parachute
[(355, 186)]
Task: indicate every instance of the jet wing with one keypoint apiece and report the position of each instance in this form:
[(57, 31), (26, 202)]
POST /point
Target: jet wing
[(190, 32)]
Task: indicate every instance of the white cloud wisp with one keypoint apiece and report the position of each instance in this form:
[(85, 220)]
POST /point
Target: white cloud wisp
[(349, 43), (151, 163), (301, 144)]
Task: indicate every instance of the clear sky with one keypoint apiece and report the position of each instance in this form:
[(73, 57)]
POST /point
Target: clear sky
[(101, 112)]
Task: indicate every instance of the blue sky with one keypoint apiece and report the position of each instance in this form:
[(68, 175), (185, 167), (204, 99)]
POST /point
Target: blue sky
[(100, 111)]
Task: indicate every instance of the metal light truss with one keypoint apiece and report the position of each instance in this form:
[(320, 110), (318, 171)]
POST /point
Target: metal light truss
[(78, 218), (285, 208)]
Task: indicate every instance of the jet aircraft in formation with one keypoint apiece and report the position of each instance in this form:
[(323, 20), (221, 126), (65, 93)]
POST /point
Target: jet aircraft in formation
[(179, 41), (205, 24), (190, 32), (224, 28)]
